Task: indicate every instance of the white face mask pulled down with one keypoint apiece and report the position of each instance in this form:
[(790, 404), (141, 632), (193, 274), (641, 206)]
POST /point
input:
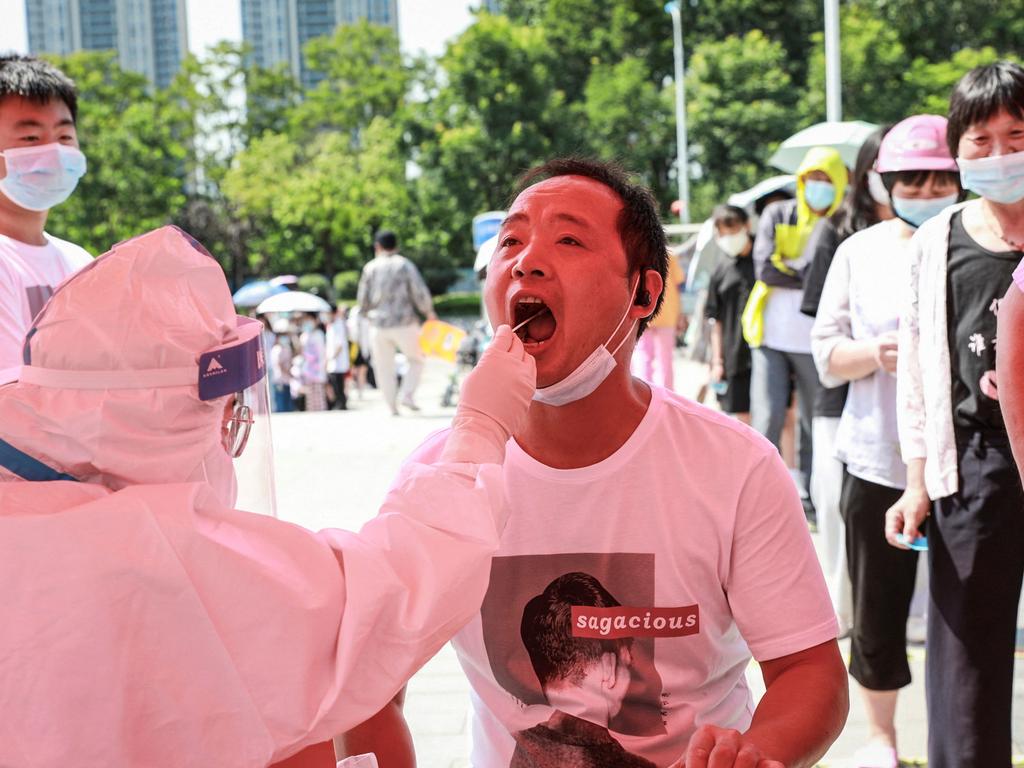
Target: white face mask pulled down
[(589, 374)]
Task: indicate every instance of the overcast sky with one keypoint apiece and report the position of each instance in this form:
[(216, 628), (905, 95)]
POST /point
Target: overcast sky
[(424, 25)]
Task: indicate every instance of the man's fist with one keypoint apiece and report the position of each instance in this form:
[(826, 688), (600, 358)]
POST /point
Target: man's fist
[(712, 747)]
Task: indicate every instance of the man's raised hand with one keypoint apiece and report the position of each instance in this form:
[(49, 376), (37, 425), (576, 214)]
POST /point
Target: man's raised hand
[(713, 747)]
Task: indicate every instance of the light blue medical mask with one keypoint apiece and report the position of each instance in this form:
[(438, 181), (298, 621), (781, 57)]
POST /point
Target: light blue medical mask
[(999, 179), (819, 194), (916, 211), (39, 178)]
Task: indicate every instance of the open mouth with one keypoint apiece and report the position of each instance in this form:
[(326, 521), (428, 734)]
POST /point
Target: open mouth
[(532, 320)]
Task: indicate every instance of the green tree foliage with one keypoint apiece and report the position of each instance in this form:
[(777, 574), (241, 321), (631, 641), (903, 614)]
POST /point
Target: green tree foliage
[(936, 30), (931, 83), (873, 62), (631, 119), (365, 78), (585, 35), (741, 104), (293, 181), (496, 112)]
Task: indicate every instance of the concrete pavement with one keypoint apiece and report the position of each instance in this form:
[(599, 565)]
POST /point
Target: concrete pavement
[(332, 471)]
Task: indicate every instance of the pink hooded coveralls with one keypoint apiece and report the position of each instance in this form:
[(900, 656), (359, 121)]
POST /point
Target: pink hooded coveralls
[(144, 622)]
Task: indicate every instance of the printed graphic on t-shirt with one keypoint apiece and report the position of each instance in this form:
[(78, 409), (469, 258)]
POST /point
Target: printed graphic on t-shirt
[(576, 632), (37, 296)]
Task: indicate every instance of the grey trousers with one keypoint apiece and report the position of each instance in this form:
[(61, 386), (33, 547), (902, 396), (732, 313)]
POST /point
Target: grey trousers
[(772, 378)]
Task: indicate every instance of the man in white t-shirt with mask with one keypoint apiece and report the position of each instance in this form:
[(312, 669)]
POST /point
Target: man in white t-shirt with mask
[(689, 518), (40, 165)]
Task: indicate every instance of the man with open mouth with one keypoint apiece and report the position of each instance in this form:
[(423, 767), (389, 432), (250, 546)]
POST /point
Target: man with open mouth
[(689, 518)]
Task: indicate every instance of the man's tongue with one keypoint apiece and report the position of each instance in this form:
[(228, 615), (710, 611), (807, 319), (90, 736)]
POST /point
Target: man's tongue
[(541, 327)]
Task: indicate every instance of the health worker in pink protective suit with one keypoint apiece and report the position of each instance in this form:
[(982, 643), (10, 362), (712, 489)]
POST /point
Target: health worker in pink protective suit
[(145, 620)]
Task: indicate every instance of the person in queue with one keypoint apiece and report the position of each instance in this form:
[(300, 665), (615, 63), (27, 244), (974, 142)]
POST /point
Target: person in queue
[(146, 619), (866, 204), (40, 166), (778, 333), (854, 341), (961, 475), (728, 291), (682, 513)]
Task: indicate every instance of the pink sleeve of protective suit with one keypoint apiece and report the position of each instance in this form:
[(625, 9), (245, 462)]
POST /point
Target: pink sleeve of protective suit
[(157, 628), (324, 629)]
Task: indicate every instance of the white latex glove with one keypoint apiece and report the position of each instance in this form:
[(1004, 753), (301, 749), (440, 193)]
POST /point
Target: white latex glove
[(493, 403)]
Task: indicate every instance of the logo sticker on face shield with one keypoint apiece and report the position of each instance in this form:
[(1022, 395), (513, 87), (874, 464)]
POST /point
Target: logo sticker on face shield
[(232, 369)]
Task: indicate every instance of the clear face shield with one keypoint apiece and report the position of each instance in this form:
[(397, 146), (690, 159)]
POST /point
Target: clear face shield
[(237, 372)]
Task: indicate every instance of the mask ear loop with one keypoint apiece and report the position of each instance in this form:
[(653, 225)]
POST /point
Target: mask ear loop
[(632, 298)]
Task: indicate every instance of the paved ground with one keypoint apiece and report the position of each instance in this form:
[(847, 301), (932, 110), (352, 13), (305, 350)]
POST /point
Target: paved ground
[(333, 469)]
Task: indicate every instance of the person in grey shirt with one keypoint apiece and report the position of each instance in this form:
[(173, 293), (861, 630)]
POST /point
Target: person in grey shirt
[(393, 298)]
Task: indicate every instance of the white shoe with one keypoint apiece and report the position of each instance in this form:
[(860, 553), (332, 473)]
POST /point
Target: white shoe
[(876, 756), (917, 630)]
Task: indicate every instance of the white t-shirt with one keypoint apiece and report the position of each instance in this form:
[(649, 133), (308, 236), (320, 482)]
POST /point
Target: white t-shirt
[(337, 347), (695, 528), (28, 276), (786, 328), (861, 299)]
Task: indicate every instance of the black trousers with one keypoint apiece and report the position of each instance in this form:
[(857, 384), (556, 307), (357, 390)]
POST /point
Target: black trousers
[(882, 578), (976, 561), (340, 401)]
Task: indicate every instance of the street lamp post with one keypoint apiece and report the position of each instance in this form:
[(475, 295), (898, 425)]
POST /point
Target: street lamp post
[(833, 71), (682, 164)]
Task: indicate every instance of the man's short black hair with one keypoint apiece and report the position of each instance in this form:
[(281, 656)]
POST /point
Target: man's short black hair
[(729, 216), (980, 95), (386, 239), (639, 226), (36, 80), (546, 629)]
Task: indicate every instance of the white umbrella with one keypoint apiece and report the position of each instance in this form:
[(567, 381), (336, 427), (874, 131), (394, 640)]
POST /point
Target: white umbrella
[(748, 197), (293, 301), (845, 137)]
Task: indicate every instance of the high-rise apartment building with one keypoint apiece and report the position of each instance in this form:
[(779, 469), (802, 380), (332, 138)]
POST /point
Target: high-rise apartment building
[(277, 30), (150, 36)]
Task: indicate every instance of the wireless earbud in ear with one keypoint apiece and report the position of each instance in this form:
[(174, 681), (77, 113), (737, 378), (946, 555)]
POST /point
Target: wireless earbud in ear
[(643, 298)]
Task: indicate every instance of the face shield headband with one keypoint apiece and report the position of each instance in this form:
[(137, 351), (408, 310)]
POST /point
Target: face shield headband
[(236, 368), (232, 367)]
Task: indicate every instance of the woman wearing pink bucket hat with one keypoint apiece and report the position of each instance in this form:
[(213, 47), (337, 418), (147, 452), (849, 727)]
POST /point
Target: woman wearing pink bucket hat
[(854, 340)]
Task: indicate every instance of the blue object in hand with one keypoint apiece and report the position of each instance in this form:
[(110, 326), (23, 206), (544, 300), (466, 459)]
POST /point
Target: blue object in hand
[(920, 543)]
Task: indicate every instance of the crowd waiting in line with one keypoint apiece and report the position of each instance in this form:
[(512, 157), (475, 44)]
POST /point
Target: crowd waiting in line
[(872, 295), (312, 359), (606, 576)]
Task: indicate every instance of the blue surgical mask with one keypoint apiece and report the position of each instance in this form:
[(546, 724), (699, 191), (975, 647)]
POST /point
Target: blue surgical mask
[(819, 194), (999, 179), (38, 178), (916, 211)]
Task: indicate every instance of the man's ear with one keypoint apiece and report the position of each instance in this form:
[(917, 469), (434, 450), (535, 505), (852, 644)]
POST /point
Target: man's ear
[(609, 669), (647, 293)]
